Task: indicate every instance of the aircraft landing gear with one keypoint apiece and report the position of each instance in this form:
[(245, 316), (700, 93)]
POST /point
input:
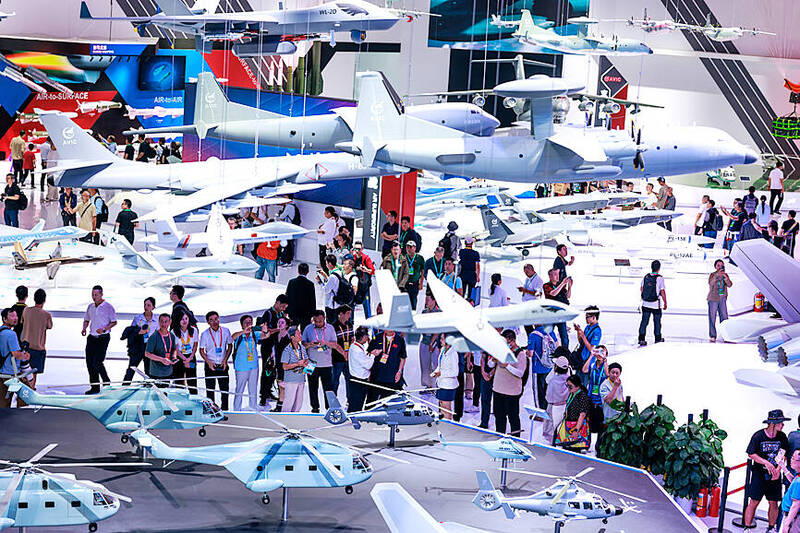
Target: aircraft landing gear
[(558, 527), (504, 475), (605, 520), (392, 430), (348, 489), (202, 432), (285, 506), (265, 499), (124, 438), (92, 527)]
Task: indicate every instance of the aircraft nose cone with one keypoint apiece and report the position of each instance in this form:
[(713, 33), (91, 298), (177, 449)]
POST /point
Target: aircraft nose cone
[(617, 511), (750, 156)]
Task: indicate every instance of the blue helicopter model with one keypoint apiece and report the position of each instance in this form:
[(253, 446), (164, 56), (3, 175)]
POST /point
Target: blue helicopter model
[(32, 497), (118, 407)]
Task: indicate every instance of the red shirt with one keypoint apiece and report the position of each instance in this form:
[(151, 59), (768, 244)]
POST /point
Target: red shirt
[(268, 250), (29, 160)]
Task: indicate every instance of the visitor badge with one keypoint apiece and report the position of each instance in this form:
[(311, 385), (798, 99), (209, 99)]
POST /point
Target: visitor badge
[(596, 389), (384, 358), (320, 349), (309, 368), (249, 357), (346, 345), (187, 349), (218, 349)]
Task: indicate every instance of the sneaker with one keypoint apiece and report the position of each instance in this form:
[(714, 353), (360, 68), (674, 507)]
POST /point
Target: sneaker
[(277, 409), (92, 391), (469, 408), (642, 343)]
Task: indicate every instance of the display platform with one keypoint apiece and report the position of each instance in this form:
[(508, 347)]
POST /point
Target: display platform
[(184, 497)]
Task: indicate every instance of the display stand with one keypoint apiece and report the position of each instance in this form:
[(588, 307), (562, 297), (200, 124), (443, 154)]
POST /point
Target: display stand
[(285, 506), (392, 431), (503, 474), (558, 526)]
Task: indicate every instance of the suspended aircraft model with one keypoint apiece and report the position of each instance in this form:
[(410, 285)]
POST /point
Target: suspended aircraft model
[(11, 236), (528, 37), (562, 153), (124, 408), (294, 459), (468, 328), (713, 32), (263, 32), (562, 501), (33, 497), (217, 117), (51, 263), (83, 162)]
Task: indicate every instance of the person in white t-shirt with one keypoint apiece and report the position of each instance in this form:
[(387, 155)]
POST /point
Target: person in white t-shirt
[(652, 197), (215, 349), (776, 188), (446, 375), (701, 215), (325, 235), (359, 362)]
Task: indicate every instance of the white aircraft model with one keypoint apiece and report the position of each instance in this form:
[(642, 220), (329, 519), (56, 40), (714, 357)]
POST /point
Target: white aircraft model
[(99, 106), (403, 514), (28, 238), (157, 111), (219, 238), (86, 163), (470, 328), (716, 33)]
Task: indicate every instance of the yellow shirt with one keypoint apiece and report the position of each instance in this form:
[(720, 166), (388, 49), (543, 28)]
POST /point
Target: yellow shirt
[(86, 213), (17, 147)]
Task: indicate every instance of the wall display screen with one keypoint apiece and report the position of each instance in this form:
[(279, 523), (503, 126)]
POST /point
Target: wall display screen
[(160, 73)]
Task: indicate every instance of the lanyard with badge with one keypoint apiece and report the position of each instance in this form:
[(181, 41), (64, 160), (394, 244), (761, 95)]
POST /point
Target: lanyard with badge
[(320, 348), (386, 348), (450, 280), (438, 270), (250, 350), (217, 349), (597, 374), (395, 268), (167, 347), (410, 264), (346, 334)]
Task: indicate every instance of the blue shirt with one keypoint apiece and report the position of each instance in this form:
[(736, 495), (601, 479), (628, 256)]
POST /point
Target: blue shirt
[(246, 354), (593, 335), (452, 281), (8, 343), (792, 493), (535, 342)]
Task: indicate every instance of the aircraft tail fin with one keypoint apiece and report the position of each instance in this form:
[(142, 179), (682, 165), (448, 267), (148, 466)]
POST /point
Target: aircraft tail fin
[(173, 8), (20, 258), (72, 141), (335, 414), (85, 13), (212, 106), (401, 512), (498, 231), (167, 233), (526, 24), (488, 498), (133, 259)]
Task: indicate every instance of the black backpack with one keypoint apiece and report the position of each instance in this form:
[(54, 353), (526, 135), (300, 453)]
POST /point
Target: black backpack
[(447, 244), (649, 293), (22, 202), (296, 217), (364, 283), (345, 295), (716, 219)]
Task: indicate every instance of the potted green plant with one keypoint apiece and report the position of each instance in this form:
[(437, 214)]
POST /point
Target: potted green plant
[(693, 460), (658, 423), (622, 442)]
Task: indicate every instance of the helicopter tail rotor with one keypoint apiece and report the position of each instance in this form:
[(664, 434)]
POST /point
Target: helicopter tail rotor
[(488, 498), (335, 414)]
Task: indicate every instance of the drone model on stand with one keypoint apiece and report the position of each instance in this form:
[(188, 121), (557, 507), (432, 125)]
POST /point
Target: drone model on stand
[(562, 501), (32, 497)]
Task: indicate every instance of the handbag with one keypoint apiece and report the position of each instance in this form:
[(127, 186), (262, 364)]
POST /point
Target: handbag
[(571, 436)]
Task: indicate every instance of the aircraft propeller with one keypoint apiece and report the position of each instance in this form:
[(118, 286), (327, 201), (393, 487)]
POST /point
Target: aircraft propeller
[(398, 394)]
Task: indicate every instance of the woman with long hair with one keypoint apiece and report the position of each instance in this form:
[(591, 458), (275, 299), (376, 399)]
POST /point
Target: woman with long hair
[(497, 294), (186, 367), (446, 375)]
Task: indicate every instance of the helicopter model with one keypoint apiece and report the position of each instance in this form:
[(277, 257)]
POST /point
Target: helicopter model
[(504, 448), (31, 496), (118, 407), (294, 459), (401, 408), (562, 501)]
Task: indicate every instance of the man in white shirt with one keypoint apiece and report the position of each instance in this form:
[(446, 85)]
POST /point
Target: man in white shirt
[(701, 215), (776, 188), (611, 390), (330, 286), (359, 362), (532, 288), (100, 317), (215, 349), (652, 198)]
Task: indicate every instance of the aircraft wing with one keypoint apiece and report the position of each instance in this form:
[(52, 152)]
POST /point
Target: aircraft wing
[(249, 16), (587, 148), (620, 101), (170, 276), (469, 321), (766, 379), (773, 272)]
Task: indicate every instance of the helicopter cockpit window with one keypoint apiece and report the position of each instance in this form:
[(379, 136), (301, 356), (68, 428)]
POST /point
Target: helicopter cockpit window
[(99, 499), (574, 505), (210, 407), (360, 463)]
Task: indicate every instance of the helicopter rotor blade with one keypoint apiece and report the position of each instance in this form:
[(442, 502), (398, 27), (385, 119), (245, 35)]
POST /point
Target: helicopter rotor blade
[(44, 451), (583, 472), (247, 451), (93, 486), (140, 373), (322, 461), (618, 493), (165, 399), (369, 383), (279, 424), (90, 465), (234, 426), (416, 398), (89, 398), (363, 451), (531, 473), (557, 497), (5, 498)]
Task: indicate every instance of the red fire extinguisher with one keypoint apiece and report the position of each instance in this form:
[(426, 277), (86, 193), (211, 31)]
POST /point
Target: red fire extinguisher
[(702, 503), (713, 506), (758, 302)]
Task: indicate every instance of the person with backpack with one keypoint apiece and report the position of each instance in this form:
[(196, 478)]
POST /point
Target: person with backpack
[(87, 216), (101, 208), (750, 201), (335, 291), (416, 265), (12, 197), (397, 264), (738, 218), (718, 283), (712, 222), (408, 233), (750, 229), (291, 214), (176, 295), (541, 346), (12, 357), (365, 269), (699, 219), (450, 243), (269, 360), (245, 362), (654, 293), (588, 339)]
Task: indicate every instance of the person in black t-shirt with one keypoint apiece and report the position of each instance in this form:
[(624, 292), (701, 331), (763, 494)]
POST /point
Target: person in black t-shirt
[(344, 339), (561, 262), (789, 229), (270, 357), (146, 150), (125, 221), (387, 370), (11, 199), (389, 233), (130, 150), (470, 262), (765, 479)]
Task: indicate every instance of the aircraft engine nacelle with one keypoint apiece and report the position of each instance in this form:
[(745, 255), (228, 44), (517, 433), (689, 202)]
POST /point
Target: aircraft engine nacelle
[(123, 427), (586, 106), (479, 100), (509, 103), (264, 485), (358, 36), (6, 522), (612, 108), (788, 352)]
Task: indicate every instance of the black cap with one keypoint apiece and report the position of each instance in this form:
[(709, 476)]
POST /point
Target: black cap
[(775, 417)]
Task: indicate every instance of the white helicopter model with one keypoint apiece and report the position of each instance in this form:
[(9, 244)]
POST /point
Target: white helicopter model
[(562, 501)]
